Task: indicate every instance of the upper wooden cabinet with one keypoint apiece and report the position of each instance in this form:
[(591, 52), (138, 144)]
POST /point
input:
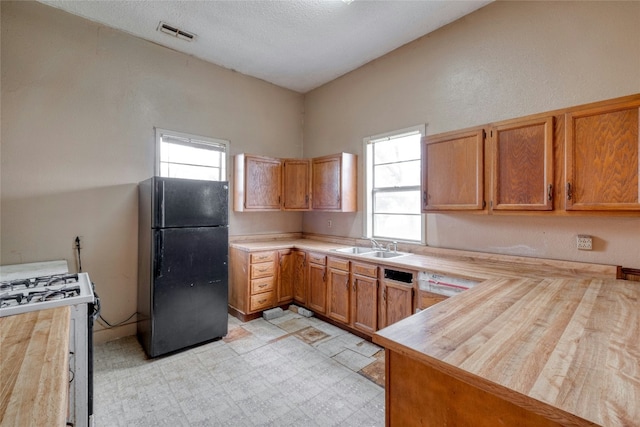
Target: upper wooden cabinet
[(522, 172), (599, 142), (326, 183), (334, 183), (601, 157), (257, 183), (453, 171), (296, 184)]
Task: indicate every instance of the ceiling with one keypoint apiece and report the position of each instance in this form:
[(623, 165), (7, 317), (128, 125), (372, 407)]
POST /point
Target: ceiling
[(296, 44)]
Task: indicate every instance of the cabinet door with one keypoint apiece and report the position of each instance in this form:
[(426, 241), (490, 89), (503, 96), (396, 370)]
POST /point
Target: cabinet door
[(364, 303), (338, 290), (426, 299), (299, 277), (257, 183), (317, 295), (296, 184), (602, 148), (397, 302), (285, 276), (523, 165), (453, 171), (334, 183)]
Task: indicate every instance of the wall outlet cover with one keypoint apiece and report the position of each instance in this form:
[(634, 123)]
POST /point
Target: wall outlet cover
[(584, 242)]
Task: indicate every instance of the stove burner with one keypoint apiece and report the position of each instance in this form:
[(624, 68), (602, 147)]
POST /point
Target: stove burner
[(6, 298)]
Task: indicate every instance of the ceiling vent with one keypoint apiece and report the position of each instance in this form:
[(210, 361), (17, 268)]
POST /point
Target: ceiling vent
[(175, 32)]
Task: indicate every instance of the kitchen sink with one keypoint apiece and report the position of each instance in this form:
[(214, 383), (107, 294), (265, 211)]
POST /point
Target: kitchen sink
[(355, 250), (384, 254)]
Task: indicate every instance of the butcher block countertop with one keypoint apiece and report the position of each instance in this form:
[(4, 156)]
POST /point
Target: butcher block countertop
[(567, 349), (34, 368), (470, 265)]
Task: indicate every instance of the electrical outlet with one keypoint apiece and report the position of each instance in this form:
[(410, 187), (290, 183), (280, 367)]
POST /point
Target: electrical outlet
[(584, 242), (329, 223)]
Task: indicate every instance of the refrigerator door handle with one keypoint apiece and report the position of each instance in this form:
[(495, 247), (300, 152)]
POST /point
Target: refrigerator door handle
[(159, 255), (161, 206)]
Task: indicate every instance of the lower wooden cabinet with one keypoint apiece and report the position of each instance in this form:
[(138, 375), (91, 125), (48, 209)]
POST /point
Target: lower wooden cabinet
[(396, 302), (252, 286), (348, 292), (364, 297), (285, 276), (317, 279), (338, 290), (426, 299), (300, 277)]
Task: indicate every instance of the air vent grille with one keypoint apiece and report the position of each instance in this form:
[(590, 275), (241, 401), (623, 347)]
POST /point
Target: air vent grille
[(175, 32)]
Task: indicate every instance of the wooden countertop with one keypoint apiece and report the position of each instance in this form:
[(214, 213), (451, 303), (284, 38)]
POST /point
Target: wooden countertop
[(567, 349), (471, 265), (34, 368)]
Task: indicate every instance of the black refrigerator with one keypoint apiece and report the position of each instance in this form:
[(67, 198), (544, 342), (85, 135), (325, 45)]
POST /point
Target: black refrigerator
[(183, 238)]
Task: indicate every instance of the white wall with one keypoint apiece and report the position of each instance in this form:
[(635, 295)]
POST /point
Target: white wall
[(79, 106), (506, 60)]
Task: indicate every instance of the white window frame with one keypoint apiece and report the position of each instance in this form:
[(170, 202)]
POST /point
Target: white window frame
[(194, 139), (368, 181)]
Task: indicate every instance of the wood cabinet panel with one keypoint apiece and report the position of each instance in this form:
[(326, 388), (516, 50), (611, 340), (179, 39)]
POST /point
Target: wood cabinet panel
[(397, 302), (257, 183), (296, 184), (257, 257), (285, 276), (364, 301), (522, 177), (299, 277), (262, 285), (317, 295), (252, 285), (338, 290), (262, 269), (334, 183), (420, 395), (426, 299), (453, 171), (261, 301), (601, 157)]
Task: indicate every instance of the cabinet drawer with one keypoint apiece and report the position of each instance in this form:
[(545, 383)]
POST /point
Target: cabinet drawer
[(262, 270), (262, 285), (261, 301), (338, 264), (262, 257), (427, 299), (317, 258), (364, 269)]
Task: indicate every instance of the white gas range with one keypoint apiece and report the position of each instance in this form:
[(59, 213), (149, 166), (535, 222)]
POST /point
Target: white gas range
[(44, 285)]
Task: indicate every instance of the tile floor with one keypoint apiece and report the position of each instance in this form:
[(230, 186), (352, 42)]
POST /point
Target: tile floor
[(290, 371)]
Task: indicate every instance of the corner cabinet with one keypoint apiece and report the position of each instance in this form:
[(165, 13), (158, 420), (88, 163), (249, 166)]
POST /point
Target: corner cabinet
[(257, 183), (601, 157), (453, 171), (522, 172), (334, 183), (296, 184)]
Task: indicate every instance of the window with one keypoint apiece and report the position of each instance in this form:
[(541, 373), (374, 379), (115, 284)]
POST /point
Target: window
[(181, 155), (393, 186)]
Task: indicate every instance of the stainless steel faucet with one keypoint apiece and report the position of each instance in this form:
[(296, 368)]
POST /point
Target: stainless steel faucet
[(376, 245)]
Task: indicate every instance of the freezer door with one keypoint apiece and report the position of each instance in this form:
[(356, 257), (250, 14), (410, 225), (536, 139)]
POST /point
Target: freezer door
[(190, 291), (190, 203)]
